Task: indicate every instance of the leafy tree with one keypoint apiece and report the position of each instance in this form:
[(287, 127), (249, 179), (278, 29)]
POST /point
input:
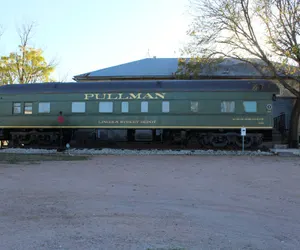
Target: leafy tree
[(27, 65), (261, 33)]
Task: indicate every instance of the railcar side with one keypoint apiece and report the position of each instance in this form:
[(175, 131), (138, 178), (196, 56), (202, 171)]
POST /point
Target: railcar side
[(209, 112)]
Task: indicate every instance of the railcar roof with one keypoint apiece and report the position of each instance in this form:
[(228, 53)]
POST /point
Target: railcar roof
[(136, 86)]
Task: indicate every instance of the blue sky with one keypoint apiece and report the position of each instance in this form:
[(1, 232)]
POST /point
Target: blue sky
[(93, 34)]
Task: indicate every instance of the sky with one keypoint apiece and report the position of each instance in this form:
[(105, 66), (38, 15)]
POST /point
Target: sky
[(93, 34)]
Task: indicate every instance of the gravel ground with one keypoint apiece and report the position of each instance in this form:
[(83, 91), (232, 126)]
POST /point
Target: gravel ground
[(152, 201), (108, 151)]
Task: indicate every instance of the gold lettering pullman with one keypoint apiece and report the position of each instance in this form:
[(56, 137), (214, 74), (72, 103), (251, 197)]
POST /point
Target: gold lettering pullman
[(123, 96)]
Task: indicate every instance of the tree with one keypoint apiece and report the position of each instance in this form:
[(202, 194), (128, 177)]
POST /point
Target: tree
[(252, 31), (27, 65)]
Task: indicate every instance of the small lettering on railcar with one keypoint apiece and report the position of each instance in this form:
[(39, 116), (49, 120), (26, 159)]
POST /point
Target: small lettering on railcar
[(248, 118), (126, 122), (123, 96)]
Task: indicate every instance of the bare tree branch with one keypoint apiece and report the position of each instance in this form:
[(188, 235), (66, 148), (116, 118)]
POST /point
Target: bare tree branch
[(229, 24), (25, 33), (264, 30)]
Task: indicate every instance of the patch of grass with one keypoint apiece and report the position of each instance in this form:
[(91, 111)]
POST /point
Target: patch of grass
[(12, 158)]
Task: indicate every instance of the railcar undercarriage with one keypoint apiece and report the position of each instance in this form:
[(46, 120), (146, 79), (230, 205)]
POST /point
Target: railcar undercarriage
[(133, 138)]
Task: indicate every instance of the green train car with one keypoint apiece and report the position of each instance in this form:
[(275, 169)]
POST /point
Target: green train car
[(207, 112)]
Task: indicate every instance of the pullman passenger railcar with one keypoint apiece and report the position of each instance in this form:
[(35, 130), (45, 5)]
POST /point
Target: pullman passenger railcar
[(205, 112)]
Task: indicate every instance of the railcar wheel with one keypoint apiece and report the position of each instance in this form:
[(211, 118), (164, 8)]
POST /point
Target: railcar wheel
[(204, 140), (219, 141), (257, 140), (248, 141)]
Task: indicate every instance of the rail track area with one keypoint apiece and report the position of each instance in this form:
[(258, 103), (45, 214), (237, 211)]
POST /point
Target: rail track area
[(135, 140)]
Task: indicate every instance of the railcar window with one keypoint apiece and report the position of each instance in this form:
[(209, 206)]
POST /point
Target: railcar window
[(194, 106), (125, 107), (227, 106), (44, 107), (105, 107), (17, 108), (78, 107), (165, 107), (250, 106), (144, 107), (28, 108)]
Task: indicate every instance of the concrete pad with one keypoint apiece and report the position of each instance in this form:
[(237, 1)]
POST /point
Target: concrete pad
[(286, 152)]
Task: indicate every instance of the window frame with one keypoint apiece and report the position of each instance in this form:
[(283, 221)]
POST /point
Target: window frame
[(48, 110), (147, 109), (168, 107), (106, 102), (126, 110), (191, 106), (227, 101), (78, 112), (30, 105), (256, 106), (13, 108)]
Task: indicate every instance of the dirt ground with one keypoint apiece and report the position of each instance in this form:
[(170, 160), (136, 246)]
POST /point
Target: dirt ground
[(151, 202)]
